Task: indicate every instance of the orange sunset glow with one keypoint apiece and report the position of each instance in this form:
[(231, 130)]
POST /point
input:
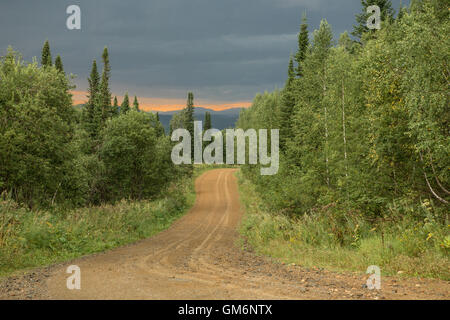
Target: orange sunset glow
[(166, 104)]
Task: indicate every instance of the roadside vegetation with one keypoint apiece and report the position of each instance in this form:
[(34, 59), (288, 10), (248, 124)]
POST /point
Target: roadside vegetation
[(33, 238), (78, 180), (364, 148), (403, 249)]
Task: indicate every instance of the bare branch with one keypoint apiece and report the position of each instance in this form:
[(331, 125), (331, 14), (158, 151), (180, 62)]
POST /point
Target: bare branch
[(435, 175), (429, 185)]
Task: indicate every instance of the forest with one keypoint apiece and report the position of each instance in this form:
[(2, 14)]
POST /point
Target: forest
[(79, 180), (364, 139), (364, 166)]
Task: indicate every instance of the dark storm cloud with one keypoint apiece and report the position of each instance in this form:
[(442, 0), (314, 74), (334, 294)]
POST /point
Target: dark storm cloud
[(224, 50)]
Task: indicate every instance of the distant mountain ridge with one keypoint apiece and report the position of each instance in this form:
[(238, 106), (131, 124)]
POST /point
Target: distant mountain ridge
[(201, 111), (219, 119)]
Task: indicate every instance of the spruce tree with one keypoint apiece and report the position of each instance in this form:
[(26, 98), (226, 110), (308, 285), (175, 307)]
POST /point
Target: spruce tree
[(387, 13), (159, 126), (303, 43), (92, 104), (115, 109), (136, 104), (58, 64), (189, 119), (401, 11), (207, 124), (46, 59), (125, 106), (105, 93), (287, 105), (291, 71)]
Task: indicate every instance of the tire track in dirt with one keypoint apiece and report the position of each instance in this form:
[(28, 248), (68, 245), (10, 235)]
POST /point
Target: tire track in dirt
[(197, 258)]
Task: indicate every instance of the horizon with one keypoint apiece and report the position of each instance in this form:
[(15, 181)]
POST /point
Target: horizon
[(224, 54), (165, 104)]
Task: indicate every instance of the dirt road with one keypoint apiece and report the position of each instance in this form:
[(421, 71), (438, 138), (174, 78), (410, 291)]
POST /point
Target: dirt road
[(198, 258)]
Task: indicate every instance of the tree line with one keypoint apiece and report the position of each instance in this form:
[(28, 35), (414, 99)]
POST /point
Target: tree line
[(53, 153), (364, 123)]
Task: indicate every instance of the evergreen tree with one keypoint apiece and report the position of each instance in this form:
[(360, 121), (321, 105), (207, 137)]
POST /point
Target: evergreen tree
[(46, 59), (92, 110), (441, 9), (125, 106), (135, 104), (287, 105), (401, 11), (105, 93), (159, 127), (387, 13), (189, 119), (115, 108), (291, 71), (303, 43), (310, 138), (177, 121), (370, 137), (58, 64), (207, 124), (345, 42)]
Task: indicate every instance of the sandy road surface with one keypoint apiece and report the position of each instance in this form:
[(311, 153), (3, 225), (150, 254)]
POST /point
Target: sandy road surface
[(197, 258)]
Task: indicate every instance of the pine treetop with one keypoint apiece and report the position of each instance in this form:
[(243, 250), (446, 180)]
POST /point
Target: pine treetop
[(125, 106), (291, 71), (207, 124), (94, 81), (58, 64), (136, 104), (104, 86), (46, 59), (303, 44)]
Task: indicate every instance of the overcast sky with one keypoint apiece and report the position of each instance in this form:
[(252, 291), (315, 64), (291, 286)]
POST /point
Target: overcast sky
[(225, 51)]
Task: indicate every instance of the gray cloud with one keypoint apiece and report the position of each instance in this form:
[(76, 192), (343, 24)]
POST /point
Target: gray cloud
[(223, 50)]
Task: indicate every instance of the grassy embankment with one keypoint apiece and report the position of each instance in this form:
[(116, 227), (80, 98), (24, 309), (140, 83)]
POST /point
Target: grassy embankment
[(31, 239), (408, 248)]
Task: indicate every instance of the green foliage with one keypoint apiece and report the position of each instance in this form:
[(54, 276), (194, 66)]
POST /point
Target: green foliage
[(59, 64), (137, 162), (34, 238), (51, 154), (46, 57), (369, 139), (387, 14), (207, 123), (56, 162), (159, 127), (104, 92), (125, 106), (185, 120), (334, 239), (189, 120), (36, 130), (287, 106), (115, 108), (91, 113), (303, 44), (135, 104)]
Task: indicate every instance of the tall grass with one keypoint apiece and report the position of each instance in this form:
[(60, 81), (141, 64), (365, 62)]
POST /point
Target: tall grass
[(36, 238), (339, 241)]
